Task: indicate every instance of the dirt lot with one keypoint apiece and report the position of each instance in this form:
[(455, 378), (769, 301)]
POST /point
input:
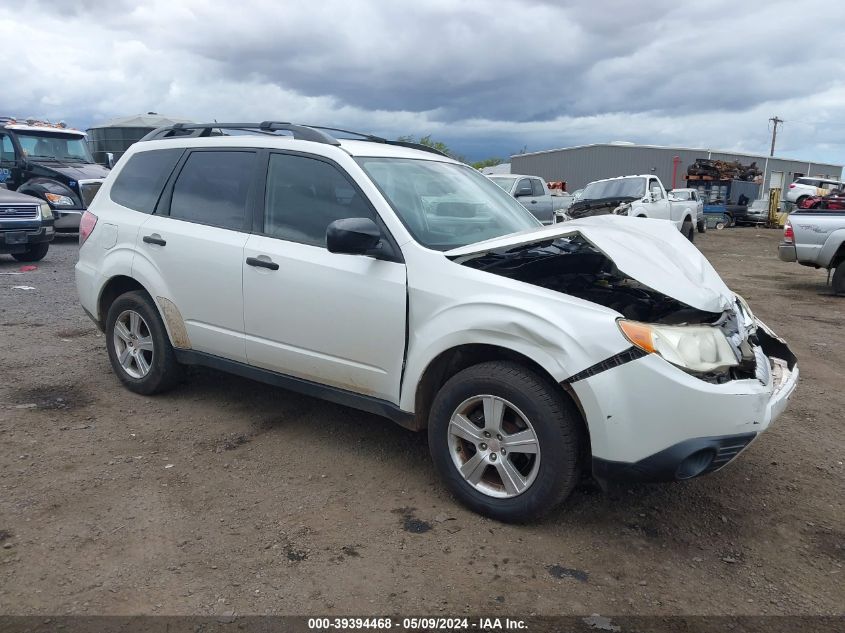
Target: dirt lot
[(228, 496)]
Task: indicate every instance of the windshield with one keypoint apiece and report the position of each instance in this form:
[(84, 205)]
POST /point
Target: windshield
[(64, 147), (504, 183), (681, 195), (617, 188), (444, 205)]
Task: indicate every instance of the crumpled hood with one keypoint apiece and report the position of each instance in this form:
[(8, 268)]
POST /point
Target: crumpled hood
[(651, 251)]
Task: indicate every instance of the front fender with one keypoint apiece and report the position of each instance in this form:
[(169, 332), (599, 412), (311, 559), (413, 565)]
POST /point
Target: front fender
[(547, 336)]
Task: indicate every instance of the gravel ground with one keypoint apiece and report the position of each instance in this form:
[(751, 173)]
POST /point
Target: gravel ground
[(228, 496)]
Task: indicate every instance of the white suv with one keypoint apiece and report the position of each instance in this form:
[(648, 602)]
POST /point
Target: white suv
[(404, 283), (805, 187)]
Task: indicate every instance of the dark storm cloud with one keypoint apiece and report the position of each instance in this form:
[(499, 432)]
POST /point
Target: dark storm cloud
[(487, 74)]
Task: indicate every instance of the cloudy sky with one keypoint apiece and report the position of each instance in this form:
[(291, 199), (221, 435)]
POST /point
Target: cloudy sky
[(488, 77)]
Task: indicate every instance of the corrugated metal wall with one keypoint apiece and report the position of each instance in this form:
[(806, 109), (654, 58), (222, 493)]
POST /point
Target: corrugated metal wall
[(581, 165)]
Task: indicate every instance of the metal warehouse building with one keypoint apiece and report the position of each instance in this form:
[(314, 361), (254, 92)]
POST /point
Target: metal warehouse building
[(585, 163)]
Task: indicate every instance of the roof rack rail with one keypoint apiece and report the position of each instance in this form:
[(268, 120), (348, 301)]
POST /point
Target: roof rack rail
[(379, 139), (316, 133), (192, 130)]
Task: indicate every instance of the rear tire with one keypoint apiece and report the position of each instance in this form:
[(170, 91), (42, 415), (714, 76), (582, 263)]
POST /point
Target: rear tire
[(34, 253), (688, 229), (838, 281), (473, 425), (139, 349)]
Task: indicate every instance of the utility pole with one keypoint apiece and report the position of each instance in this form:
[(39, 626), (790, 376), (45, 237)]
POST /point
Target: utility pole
[(776, 121)]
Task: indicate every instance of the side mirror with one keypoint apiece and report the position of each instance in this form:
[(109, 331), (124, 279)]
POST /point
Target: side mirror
[(655, 194), (110, 159), (352, 236)]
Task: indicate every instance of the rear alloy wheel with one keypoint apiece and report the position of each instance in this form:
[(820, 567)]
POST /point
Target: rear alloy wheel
[(505, 441), (139, 349), (688, 229), (34, 253)]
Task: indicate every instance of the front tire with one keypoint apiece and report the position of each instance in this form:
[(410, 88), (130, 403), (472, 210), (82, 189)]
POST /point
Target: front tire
[(139, 349), (505, 441), (34, 253), (688, 229), (702, 226)]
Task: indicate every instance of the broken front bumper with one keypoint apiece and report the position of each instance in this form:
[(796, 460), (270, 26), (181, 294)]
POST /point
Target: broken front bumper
[(650, 421)]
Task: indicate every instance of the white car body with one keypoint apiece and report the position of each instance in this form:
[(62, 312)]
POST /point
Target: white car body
[(811, 186), (366, 332)]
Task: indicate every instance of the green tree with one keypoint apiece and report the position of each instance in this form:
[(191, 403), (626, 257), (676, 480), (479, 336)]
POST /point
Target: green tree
[(487, 162), (429, 142)]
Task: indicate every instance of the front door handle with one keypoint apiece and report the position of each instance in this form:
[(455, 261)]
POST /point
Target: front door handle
[(155, 238), (262, 263), (533, 202)]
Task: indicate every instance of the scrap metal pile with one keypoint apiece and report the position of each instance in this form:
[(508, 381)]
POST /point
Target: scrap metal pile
[(723, 170)]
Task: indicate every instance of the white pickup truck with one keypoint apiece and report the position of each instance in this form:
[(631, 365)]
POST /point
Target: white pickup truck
[(641, 196), (534, 194)]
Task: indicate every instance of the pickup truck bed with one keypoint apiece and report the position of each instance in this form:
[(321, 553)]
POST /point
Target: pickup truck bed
[(816, 238)]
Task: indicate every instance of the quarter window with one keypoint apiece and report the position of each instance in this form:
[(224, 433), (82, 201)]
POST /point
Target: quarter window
[(305, 195), (139, 183), (538, 187), (213, 188)]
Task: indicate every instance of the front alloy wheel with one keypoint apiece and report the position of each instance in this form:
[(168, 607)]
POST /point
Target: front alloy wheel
[(505, 440), (494, 446), (133, 343)]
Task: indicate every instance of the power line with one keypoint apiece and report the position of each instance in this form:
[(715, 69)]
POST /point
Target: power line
[(776, 120)]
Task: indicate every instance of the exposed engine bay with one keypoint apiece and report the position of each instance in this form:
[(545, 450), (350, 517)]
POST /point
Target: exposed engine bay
[(573, 266)]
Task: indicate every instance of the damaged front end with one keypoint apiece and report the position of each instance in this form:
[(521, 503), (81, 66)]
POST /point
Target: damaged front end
[(716, 346), (619, 205)]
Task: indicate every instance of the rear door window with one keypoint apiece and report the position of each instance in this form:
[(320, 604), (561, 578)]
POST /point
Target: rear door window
[(214, 188), (537, 187), (139, 183)]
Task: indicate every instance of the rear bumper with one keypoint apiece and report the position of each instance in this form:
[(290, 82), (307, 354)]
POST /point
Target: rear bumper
[(787, 252)]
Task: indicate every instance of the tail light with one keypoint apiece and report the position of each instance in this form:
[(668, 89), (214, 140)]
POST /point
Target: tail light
[(788, 233), (86, 226), (792, 185)]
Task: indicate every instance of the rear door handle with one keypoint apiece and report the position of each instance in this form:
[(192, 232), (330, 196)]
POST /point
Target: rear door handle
[(262, 263), (155, 238)]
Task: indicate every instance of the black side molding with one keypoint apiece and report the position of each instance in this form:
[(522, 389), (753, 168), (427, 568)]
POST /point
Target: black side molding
[(632, 353), (332, 394)]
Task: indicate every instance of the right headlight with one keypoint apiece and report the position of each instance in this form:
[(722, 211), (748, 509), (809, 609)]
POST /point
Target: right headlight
[(699, 348)]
